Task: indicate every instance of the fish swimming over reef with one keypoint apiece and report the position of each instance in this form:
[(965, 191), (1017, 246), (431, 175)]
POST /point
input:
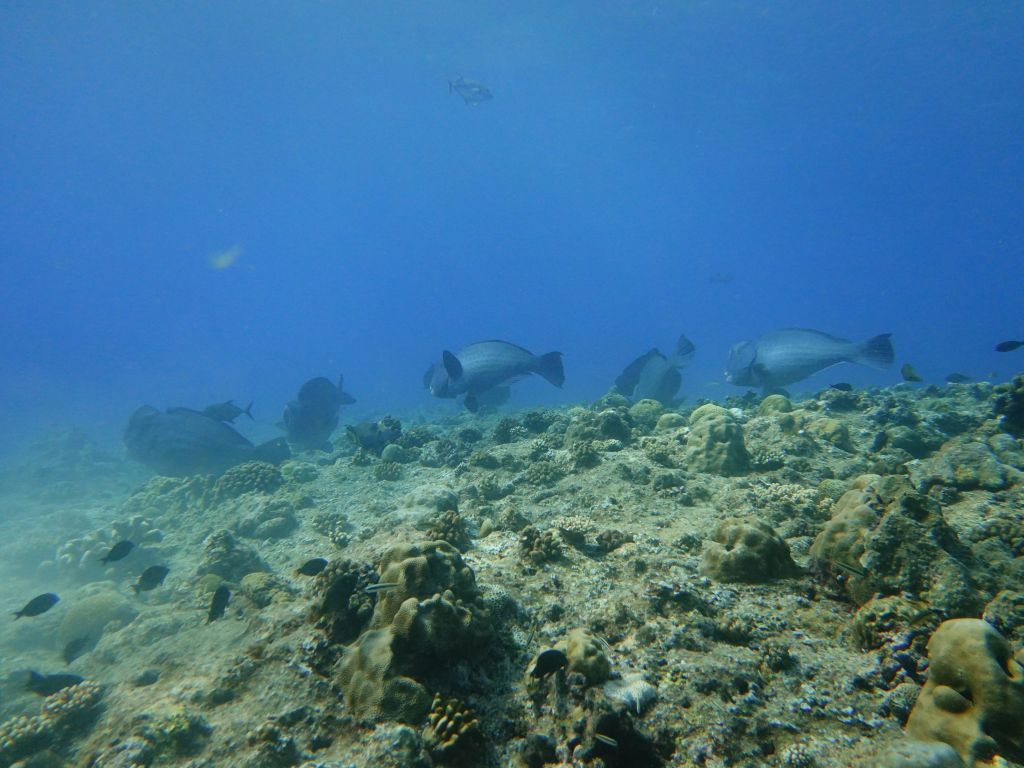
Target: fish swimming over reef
[(1009, 346), (782, 357), (958, 378), (908, 373), (151, 578), (218, 603), (472, 92), (47, 685), (119, 551), (38, 605), (227, 411), (486, 365), (655, 376), (180, 442), (312, 416)]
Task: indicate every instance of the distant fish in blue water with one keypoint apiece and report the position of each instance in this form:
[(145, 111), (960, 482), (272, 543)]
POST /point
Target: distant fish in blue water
[(227, 411), (312, 416), (1009, 346), (182, 442), (486, 365), (909, 374), (655, 376), (958, 378), (38, 605), (472, 92), (778, 358)]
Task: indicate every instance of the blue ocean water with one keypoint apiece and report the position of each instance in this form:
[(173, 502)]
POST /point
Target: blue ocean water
[(644, 169)]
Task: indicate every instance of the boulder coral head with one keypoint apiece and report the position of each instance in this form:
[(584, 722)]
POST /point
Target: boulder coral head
[(974, 697)]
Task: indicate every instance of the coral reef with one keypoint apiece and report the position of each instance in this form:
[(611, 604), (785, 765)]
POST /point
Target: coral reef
[(60, 718), (974, 697), (715, 442), (452, 733), (587, 657), (86, 551), (249, 477), (427, 614), (225, 557), (746, 549)]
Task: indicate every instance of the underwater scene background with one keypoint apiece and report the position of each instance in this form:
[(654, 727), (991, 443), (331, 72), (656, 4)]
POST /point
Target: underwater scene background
[(540, 384)]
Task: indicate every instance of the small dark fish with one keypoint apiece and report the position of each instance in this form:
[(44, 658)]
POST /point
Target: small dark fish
[(909, 374), (548, 662), (1009, 346), (47, 685), (842, 386), (38, 605), (219, 603), (958, 378), (227, 411), (151, 578), (74, 648), (382, 586), (606, 740), (472, 92), (311, 567), (118, 552)]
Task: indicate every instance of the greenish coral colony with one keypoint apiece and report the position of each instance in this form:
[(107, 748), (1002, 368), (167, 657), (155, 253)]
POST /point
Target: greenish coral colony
[(819, 582)]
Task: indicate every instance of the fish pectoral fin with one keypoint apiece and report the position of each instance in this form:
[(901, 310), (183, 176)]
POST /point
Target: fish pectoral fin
[(471, 403), (452, 365)]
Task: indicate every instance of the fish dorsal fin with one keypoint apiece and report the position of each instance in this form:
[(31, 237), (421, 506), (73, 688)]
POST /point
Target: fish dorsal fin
[(452, 365)]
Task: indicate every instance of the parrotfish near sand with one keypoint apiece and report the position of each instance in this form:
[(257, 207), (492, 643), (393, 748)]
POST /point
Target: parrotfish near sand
[(655, 376), (778, 358)]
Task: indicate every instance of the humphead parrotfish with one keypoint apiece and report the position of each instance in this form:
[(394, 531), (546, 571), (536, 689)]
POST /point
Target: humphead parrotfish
[(778, 358), (312, 416), (181, 441), (488, 365), (655, 376)]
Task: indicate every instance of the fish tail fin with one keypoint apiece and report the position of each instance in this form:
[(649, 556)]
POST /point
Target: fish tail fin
[(550, 367), (684, 352), (248, 410), (876, 352)]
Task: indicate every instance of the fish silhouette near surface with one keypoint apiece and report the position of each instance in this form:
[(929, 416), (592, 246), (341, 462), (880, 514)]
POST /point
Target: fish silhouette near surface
[(180, 442), (227, 411), (1009, 346), (472, 92), (311, 418), (487, 365), (782, 357), (655, 376)]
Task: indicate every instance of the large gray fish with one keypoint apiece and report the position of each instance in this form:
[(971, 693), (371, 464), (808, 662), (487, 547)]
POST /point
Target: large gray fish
[(472, 92), (778, 358), (487, 365), (182, 442), (311, 417), (654, 376)]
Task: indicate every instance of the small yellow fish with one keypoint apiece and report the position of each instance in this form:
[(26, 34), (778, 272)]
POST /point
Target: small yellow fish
[(221, 260)]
